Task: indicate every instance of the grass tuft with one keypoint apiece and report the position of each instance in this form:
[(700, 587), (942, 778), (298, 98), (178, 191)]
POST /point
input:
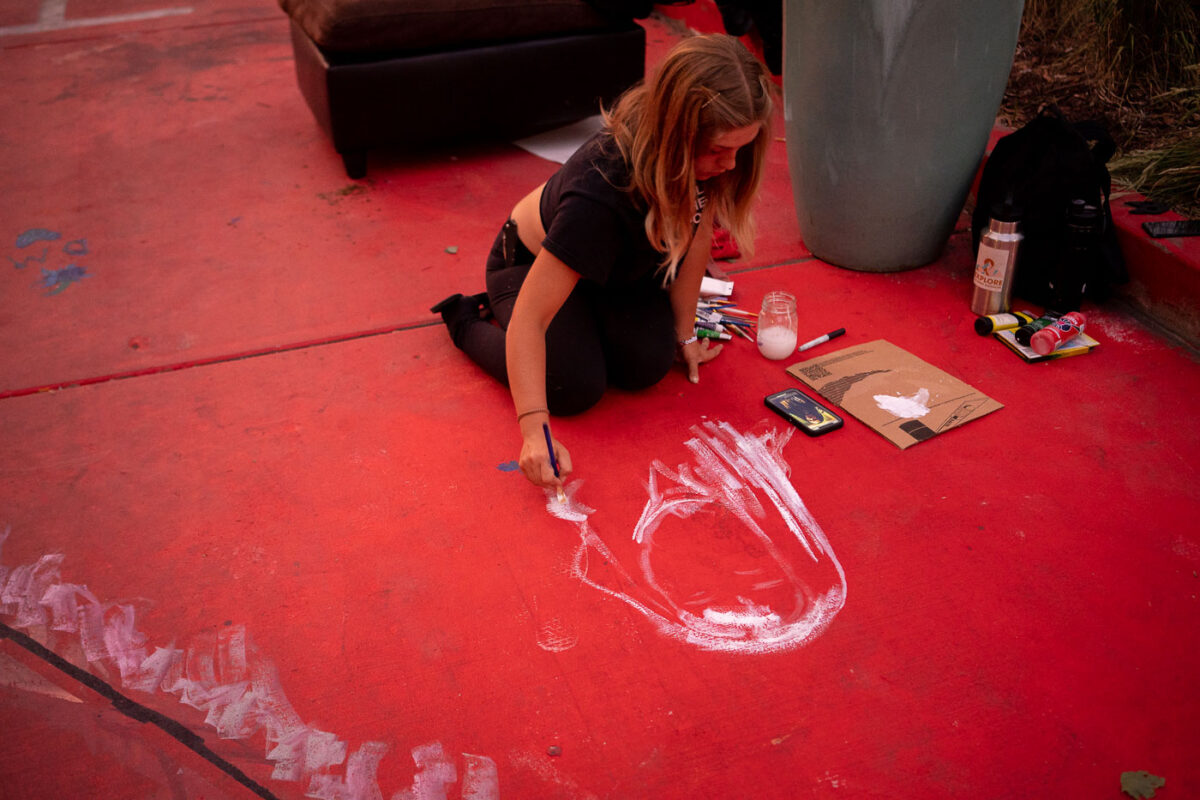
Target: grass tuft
[(1135, 64), (1170, 174)]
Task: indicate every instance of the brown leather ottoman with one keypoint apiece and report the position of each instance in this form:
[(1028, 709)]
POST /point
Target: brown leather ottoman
[(409, 73)]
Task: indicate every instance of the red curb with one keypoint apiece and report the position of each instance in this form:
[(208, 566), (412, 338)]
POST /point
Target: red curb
[(1164, 274)]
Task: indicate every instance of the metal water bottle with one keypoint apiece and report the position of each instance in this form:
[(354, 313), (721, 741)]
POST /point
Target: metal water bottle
[(996, 263)]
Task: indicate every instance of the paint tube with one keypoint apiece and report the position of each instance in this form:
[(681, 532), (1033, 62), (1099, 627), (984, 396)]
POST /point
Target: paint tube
[(1002, 322), (1066, 327), (1026, 331)]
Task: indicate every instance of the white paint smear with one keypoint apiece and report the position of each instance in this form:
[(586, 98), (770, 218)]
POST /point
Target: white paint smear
[(905, 407), (434, 773), (744, 475), (749, 616), (52, 17), (482, 779), (224, 675), (549, 773)]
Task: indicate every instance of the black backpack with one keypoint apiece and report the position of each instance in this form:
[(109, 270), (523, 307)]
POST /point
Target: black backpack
[(1039, 170)]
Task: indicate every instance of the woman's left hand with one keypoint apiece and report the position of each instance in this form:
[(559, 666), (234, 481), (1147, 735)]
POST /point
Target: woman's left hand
[(696, 353)]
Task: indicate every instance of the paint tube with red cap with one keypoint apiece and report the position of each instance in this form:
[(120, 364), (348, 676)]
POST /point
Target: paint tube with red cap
[(1066, 327)]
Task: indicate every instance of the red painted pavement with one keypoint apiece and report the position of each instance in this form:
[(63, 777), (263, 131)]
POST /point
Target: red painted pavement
[(1021, 612)]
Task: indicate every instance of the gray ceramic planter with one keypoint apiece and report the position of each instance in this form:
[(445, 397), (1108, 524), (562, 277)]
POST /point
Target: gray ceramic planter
[(888, 107)]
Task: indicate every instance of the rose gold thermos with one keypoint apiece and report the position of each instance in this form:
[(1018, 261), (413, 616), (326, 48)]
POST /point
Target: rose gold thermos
[(996, 263)]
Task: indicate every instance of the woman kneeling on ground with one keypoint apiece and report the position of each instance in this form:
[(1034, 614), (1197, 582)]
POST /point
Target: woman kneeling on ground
[(594, 279)]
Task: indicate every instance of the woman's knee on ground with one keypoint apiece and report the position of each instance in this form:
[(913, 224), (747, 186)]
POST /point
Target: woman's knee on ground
[(643, 366), (574, 392)]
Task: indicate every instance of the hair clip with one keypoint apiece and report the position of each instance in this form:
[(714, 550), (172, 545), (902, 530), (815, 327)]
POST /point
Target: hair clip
[(711, 96)]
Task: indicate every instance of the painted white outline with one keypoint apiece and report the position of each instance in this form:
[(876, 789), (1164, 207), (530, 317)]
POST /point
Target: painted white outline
[(737, 472)]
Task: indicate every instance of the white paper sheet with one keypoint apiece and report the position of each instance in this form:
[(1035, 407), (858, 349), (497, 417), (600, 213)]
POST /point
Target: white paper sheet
[(559, 144)]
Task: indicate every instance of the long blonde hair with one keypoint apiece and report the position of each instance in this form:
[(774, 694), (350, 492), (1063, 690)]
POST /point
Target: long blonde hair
[(706, 86)]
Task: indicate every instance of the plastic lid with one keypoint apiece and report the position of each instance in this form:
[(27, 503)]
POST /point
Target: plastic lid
[(1044, 341), (1082, 211)]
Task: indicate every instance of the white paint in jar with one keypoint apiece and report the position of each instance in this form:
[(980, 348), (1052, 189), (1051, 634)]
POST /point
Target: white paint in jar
[(777, 325), (776, 342)]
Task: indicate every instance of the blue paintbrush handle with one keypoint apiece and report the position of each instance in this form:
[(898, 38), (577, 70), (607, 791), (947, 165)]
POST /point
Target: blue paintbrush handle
[(550, 447)]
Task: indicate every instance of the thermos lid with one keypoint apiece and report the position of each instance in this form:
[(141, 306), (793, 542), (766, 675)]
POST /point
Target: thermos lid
[(1007, 211)]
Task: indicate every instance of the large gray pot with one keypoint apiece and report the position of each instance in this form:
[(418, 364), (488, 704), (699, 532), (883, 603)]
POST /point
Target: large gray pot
[(888, 105)]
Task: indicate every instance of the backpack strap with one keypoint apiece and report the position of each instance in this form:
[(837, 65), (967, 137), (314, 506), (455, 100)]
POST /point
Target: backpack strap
[(1096, 135)]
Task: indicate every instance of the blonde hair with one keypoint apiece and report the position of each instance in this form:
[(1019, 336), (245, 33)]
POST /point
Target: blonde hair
[(706, 86)]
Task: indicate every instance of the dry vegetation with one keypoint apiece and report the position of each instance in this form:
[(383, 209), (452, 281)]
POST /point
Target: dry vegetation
[(1134, 65)]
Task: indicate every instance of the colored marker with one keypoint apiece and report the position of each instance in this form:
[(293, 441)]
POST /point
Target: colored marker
[(821, 340), (553, 460)]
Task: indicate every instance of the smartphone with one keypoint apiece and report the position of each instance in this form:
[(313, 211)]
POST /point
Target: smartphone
[(1174, 227), (802, 411)]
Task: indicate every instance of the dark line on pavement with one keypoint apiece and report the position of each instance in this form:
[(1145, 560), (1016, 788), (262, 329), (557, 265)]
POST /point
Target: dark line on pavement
[(218, 359), (135, 710)]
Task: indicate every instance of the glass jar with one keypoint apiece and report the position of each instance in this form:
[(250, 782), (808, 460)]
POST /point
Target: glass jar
[(777, 326)]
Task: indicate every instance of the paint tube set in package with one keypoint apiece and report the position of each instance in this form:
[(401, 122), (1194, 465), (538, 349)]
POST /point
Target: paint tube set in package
[(1042, 334), (1046, 333)]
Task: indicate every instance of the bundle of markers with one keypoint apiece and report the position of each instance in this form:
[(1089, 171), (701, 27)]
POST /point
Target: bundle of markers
[(719, 318)]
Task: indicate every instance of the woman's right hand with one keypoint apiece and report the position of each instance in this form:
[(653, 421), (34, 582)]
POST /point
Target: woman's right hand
[(535, 461)]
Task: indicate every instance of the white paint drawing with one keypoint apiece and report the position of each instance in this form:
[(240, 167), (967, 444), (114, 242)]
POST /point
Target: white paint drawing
[(226, 676), (791, 591), (905, 407)]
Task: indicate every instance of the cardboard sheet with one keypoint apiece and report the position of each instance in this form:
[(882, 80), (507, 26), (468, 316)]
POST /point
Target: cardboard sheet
[(893, 392)]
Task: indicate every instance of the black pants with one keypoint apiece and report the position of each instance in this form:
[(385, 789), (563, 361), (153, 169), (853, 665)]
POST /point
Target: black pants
[(601, 337)]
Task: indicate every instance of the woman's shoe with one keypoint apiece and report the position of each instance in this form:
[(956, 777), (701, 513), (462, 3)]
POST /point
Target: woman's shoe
[(483, 303), (447, 303), (460, 312)]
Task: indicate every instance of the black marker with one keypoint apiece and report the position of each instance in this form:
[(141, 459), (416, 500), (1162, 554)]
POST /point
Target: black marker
[(820, 340)]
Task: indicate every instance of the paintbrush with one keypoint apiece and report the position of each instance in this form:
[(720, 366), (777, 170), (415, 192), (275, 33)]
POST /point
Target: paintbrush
[(738, 330), (562, 498)]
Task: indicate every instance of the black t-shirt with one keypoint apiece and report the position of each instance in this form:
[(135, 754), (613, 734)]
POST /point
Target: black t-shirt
[(594, 224)]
